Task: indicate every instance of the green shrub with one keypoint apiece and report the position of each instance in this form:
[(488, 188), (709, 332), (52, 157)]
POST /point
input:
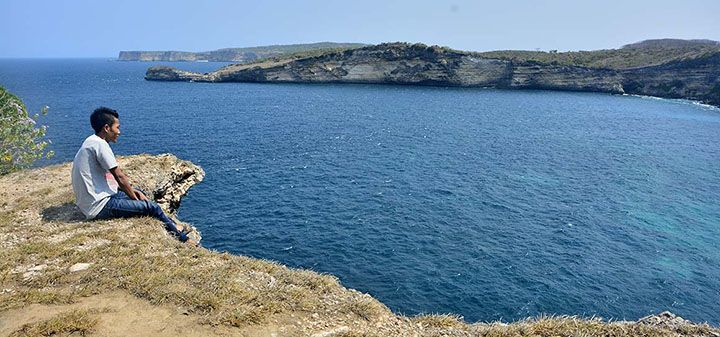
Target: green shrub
[(21, 140)]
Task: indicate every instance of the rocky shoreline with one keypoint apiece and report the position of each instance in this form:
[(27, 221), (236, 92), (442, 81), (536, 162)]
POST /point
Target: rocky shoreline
[(63, 275), (694, 77)]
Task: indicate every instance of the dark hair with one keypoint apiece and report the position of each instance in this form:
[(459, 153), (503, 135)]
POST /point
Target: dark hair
[(102, 116)]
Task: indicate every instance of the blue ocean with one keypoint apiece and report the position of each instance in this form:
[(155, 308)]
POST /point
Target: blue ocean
[(490, 204)]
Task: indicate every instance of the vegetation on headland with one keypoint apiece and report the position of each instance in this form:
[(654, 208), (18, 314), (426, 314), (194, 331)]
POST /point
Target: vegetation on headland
[(302, 54), (641, 54)]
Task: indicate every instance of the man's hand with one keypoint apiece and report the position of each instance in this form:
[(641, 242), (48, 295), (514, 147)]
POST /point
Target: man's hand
[(140, 196)]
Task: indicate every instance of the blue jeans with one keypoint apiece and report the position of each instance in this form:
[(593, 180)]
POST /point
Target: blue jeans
[(121, 206)]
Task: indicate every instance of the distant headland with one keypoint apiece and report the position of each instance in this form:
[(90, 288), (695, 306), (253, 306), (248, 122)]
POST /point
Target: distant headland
[(668, 68), (235, 54)]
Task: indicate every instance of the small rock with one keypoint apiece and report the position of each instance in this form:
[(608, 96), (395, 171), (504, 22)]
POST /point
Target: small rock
[(19, 270), (34, 270), (79, 266), (665, 319), (333, 332), (38, 268)]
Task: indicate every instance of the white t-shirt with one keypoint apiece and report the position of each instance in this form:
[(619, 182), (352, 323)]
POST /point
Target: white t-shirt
[(92, 162)]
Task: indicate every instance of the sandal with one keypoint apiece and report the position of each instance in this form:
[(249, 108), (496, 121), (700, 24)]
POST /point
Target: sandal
[(187, 229), (180, 234)]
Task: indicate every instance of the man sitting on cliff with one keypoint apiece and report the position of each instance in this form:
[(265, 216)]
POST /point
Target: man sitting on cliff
[(93, 194)]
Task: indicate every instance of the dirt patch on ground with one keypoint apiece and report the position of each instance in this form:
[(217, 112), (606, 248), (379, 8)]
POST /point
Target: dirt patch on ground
[(117, 314)]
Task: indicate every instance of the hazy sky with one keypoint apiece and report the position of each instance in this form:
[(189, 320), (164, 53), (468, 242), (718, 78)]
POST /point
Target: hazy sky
[(84, 28)]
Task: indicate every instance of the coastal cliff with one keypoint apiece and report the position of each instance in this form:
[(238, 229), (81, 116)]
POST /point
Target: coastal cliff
[(63, 275), (672, 73)]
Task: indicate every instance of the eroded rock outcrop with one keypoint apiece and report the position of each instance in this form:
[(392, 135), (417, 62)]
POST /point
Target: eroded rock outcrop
[(167, 180), (167, 177)]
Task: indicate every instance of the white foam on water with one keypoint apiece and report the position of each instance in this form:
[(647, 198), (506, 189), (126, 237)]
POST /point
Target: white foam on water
[(678, 101)]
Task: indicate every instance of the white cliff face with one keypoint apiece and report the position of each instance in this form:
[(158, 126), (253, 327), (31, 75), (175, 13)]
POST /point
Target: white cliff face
[(566, 78)]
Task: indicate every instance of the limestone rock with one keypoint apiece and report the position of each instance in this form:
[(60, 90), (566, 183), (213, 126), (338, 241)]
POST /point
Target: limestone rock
[(665, 319), (166, 179), (79, 267), (339, 331), (38, 268)]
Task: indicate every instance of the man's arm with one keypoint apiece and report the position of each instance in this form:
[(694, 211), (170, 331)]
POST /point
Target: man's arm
[(124, 184)]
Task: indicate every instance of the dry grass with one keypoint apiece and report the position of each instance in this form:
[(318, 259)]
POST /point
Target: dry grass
[(440, 321), (76, 322), (366, 307), (574, 326), (29, 296)]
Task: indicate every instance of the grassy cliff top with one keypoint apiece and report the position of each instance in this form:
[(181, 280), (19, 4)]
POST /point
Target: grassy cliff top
[(62, 275), (642, 54)]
